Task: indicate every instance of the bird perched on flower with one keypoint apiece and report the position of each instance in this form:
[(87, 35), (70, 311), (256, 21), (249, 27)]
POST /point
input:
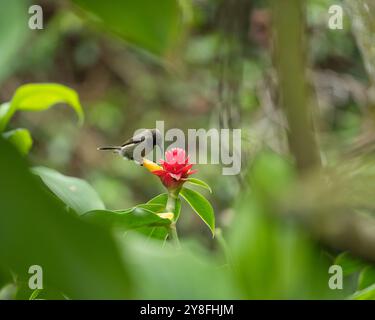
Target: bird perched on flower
[(174, 170), (138, 146)]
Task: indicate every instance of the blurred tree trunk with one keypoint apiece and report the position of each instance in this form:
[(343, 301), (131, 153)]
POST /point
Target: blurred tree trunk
[(342, 230), (290, 55)]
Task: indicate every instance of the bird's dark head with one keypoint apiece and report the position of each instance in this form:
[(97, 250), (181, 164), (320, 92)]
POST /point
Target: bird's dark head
[(157, 138)]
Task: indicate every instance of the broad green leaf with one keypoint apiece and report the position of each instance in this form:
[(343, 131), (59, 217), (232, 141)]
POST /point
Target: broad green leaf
[(159, 233), (158, 206), (78, 258), (128, 220), (365, 294), (150, 25), (201, 206), (154, 207), (366, 277), (13, 33), (20, 138), (39, 97), (349, 264), (141, 218), (199, 183), (75, 193), (161, 200)]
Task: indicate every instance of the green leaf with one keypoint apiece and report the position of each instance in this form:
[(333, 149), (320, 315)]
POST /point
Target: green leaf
[(134, 218), (151, 25), (161, 200), (78, 258), (75, 193), (365, 294), (201, 206), (141, 218), (159, 233), (39, 97), (366, 277), (154, 207), (200, 183), (20, 138), (349, 264)]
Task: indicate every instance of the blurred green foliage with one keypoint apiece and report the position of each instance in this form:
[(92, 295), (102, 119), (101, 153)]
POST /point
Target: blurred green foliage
[(151, 25), (80, 260), (275, 260), (13, 19)]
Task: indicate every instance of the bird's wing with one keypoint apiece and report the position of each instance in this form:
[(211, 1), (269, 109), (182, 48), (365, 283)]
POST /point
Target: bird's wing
[(132, 140)]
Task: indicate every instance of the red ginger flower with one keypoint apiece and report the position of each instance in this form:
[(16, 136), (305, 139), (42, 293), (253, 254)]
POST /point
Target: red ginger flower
[(174, 170)]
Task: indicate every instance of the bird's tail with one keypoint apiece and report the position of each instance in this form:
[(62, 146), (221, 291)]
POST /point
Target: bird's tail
[(114, 148)]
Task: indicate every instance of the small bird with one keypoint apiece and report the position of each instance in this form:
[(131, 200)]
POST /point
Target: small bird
[(138, 146)]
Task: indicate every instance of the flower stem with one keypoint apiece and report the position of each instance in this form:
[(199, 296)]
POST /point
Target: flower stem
[(171, 207), (173, 234), (171, 202)]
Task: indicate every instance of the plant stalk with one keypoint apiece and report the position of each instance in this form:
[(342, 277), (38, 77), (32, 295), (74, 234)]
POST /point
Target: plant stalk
[(171, 207), (296, 96)]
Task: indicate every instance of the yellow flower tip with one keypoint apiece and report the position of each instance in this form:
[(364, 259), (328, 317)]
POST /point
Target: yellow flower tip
[(151, 166), (166, 215)]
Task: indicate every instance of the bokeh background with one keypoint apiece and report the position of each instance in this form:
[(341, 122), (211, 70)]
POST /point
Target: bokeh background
[(223, 62), (122, 88), (215, 68)]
